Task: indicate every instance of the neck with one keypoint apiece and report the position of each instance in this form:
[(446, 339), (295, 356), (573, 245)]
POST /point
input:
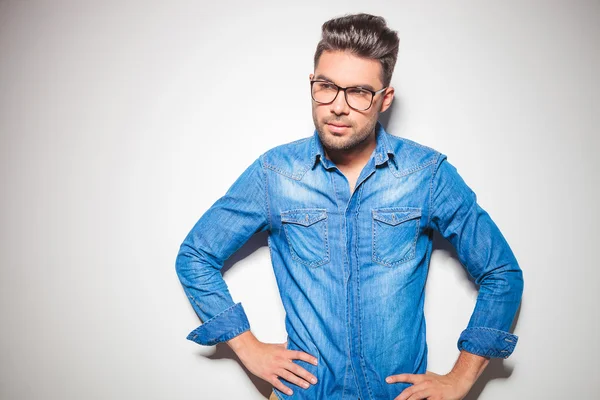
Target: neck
[(358, 156)]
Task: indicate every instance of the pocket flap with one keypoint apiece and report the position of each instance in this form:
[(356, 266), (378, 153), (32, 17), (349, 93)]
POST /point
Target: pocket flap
[(303, 217), (396, 216)]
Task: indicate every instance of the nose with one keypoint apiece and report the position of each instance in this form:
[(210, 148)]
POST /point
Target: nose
[(339, 105)]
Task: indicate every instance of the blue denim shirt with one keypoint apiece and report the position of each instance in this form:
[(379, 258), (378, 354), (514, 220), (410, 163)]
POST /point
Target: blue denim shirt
[(351, 266)]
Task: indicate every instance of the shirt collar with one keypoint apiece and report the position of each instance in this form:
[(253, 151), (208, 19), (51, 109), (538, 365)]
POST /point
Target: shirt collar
[(383, 151)]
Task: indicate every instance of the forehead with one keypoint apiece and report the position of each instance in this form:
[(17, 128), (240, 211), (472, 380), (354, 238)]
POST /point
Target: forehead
[(346, 69)]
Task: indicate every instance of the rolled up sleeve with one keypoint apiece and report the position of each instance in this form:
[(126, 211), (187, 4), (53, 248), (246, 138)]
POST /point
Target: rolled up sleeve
[(222, 327), (486, 255), (220, 232)]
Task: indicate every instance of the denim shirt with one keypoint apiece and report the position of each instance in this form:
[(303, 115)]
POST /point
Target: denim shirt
[(350, 265)]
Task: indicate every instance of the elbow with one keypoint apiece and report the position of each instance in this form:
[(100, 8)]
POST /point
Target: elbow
[(181, 263), (512, 287), (503, 282), (517, 284), (193, 265), (185, 262)]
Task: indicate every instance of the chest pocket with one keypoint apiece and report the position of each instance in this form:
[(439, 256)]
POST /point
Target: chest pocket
[(395, 233), (306, 233)]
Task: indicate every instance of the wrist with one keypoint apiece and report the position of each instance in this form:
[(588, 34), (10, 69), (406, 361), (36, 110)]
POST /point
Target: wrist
[(462, 379), (468, 368), (242, 341)]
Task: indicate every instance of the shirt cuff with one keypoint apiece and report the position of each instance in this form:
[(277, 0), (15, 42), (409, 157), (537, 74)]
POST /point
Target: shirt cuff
[(487, 342), (222, 327)]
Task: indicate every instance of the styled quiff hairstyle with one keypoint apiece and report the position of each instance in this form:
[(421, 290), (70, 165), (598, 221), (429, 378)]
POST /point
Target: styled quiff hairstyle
[(365, 36)]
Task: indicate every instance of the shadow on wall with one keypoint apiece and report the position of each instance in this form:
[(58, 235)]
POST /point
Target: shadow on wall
[(496, 369)]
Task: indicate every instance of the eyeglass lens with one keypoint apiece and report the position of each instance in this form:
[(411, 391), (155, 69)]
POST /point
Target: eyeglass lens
[(324, 92)]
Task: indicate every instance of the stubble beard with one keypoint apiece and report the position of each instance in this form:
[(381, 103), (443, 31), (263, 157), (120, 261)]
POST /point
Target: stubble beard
[(349, 141)]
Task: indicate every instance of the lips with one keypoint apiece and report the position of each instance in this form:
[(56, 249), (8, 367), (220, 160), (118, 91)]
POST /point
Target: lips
[(338, 125), (339, 129)]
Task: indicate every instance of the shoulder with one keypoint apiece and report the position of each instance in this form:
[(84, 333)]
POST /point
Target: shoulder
[(291, 159), (412, 155)]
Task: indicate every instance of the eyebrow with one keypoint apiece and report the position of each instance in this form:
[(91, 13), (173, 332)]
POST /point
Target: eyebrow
[(366, 86)]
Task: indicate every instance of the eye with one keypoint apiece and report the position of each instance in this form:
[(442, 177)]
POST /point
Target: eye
[(359, 92)]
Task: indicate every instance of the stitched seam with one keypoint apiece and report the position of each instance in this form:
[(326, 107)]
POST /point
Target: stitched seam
[(220, 338), (399, 174), (487, 352), (314, 263), (435, 168), (491, 329), (345, 255), (413, 212), (219, 314), (387, 145), (504, 353), (266, 188), (285, 147), (345, 380), (296, 176), (360, 316), (414, 169), (408, 256)]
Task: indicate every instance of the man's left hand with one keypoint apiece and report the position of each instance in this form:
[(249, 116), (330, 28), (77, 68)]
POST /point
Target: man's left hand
[(431, 386)]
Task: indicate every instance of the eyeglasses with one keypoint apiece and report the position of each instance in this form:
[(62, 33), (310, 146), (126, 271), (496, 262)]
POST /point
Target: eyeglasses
[(357, 97)]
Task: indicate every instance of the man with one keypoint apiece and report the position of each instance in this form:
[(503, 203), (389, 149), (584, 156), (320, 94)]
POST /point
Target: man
[(350, 213)]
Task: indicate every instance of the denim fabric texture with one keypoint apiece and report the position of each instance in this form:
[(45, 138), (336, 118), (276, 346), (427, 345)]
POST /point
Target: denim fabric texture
[(351, 266)]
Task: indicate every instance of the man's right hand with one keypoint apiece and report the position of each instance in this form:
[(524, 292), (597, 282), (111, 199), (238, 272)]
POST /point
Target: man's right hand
[(269, 361)]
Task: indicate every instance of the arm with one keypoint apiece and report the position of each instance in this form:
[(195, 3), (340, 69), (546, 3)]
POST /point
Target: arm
[(219, 233), (484, 252)]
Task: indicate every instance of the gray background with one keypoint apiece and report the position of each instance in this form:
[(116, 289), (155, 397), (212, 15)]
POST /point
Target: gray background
[(122, 122)]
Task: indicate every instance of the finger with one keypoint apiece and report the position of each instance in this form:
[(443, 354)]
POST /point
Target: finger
[(421, 394), (406, 393), (298, 370), (300, 355), (280, 386), (411, 378), (295, 379)]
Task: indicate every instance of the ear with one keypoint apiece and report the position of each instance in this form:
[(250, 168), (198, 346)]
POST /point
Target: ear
[(310, 77), (387, 99)]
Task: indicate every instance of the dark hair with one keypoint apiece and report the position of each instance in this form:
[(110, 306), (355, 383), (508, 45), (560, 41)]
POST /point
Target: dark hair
[(365, 36)]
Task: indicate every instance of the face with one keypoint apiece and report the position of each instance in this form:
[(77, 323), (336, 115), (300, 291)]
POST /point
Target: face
[(345, 69)]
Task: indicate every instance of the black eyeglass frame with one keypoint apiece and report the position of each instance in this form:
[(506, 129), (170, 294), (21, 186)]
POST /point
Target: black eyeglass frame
[(373, 93)]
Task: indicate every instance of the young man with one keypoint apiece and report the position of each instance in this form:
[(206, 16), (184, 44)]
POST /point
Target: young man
[(350, 212)]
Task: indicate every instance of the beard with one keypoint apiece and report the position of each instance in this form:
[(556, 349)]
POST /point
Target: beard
[(352, 139)]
